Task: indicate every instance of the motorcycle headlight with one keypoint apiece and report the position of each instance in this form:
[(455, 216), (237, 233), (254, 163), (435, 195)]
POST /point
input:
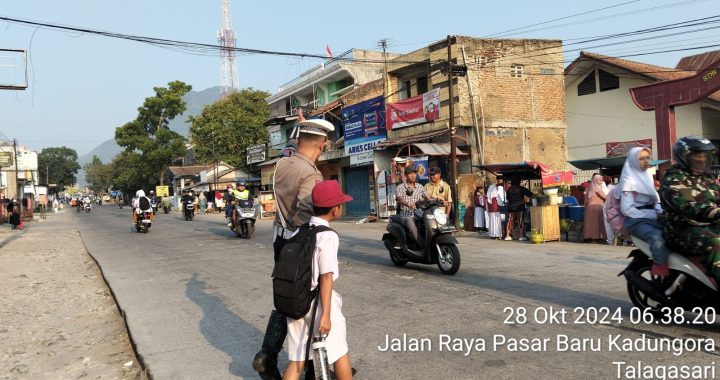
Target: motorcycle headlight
[(440, 216)]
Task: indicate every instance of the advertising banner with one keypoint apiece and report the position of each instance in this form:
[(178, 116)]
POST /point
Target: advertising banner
[(559, 178), (256, 153), (397, 173), (418, 109), (621, 149), (276, 140), (362, 158), (364, 125), (27, 161), (162, 191)]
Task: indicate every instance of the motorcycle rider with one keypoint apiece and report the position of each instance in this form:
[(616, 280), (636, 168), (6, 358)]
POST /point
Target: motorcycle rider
[(689, 195), (153, 198), (228, 198), (407, 194), (241, 193), (141, 204), (187, 197)]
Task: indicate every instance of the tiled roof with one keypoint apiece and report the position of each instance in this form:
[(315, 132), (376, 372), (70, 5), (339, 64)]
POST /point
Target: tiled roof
[(653, 72), (187, 171)]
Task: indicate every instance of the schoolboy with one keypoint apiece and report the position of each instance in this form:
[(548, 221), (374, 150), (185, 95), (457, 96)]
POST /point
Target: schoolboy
[(327, 201)]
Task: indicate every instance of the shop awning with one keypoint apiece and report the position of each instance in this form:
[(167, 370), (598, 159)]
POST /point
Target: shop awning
[(522, 170), (411, 139), (606, 162), (436, 149)]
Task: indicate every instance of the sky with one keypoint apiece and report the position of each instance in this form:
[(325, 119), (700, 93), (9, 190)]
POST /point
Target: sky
[(82, 87)]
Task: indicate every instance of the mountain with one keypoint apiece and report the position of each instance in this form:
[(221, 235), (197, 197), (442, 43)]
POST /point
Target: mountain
[(195, 102)]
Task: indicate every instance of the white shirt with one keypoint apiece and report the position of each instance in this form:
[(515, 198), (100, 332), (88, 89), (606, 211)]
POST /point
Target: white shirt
[(630, 203), (325, 256)]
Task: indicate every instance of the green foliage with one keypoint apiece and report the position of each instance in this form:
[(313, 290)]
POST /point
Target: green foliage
[(98, 175), (61, 165), (150, 146), (225, 129)]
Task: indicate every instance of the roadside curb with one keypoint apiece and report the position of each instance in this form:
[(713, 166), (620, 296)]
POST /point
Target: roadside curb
[(133, 344)]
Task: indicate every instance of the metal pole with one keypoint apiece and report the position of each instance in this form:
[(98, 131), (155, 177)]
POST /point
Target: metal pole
[(17, 177), (453, 153)]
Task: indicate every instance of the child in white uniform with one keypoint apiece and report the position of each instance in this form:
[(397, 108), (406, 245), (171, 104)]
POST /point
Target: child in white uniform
[(327, 204)]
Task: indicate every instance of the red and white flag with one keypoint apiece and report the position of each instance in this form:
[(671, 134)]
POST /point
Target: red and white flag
[(328, 53)]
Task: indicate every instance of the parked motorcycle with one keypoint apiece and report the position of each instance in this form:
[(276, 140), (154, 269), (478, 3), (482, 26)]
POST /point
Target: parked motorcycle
[(143, 222), (189, 210), (243, 218), (687, 287), (440, 246)]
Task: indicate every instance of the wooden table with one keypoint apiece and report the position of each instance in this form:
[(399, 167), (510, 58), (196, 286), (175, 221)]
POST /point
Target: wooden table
[(546, 219)]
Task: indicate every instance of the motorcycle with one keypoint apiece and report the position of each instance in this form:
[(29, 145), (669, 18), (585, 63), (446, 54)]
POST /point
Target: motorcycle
[(143, 221), (166, 207), (189, 210), (87, 207), (687, 287), (440, 246), (154, 206), (243, 218)]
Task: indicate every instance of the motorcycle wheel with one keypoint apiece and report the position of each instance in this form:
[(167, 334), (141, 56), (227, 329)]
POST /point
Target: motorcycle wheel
[(250, 230), (449, 259), (191, 216), (394, 255), (638, 298)]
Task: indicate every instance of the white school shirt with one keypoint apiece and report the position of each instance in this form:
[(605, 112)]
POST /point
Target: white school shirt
[(630, 202), (325, 255)]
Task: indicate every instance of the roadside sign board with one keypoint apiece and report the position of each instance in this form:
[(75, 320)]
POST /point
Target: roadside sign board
[(162, 191), (6, 159)]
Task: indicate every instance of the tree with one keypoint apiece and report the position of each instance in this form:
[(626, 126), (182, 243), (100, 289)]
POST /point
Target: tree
[(61, 165), (98, 175), (225, 129), (126, 173), (150, 145)]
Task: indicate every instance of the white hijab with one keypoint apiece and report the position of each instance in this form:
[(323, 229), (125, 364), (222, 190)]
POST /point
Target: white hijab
[(633, 178), (139, 194)]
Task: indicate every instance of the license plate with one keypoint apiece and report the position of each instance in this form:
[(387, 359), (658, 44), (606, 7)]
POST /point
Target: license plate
[(146, 220), (247, 215)]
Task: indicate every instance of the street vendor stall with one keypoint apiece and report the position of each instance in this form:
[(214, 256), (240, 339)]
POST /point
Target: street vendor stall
[(544, 216)]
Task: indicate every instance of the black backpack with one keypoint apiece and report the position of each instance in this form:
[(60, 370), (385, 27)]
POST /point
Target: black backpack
[(144, 203), (292, 275)]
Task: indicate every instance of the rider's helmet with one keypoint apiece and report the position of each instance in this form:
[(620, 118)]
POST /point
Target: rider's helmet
[(241, 183), (152, 192), (694, 153)]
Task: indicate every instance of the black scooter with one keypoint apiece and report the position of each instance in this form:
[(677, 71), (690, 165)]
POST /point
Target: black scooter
[(440, 246), (189, 210), (243, 218)]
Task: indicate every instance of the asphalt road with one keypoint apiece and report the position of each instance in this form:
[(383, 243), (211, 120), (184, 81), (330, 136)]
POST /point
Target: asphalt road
[(196, 299)]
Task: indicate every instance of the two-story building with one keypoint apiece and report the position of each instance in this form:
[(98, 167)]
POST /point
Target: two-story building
[(508, 108)]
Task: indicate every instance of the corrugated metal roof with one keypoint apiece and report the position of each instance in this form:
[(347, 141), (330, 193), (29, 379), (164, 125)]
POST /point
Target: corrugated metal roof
[(183, 171), (435, 149), (699, 61), (411, 139)]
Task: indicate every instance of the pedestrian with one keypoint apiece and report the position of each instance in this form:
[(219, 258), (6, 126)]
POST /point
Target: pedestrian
[(479, 201), (609, 188), (439, 189), (203, 202), (516, 210), (327, 198), (56, 205), (293, 181), (689, 196), (43, 205), (640, 204), (407, 195), (9, 206), (495, 201), (593, 220), (15, 218)]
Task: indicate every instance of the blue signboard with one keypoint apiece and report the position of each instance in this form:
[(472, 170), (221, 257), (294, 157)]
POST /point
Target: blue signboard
[(364, 125)]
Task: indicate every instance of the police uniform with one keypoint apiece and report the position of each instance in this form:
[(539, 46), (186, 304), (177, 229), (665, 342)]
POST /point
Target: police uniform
[(439, 191), (293, 181)]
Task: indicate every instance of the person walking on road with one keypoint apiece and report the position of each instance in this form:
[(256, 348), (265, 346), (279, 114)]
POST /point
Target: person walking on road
[(293, 181)]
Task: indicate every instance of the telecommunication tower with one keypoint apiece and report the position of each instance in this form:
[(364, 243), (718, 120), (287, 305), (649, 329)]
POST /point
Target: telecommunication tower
[(226, 38)]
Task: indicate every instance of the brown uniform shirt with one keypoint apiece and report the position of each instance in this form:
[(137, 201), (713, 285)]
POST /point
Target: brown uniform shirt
[(433, 191), (294, 180)]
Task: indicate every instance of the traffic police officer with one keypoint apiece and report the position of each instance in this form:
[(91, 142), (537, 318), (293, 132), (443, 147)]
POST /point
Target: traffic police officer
[(293, 181)]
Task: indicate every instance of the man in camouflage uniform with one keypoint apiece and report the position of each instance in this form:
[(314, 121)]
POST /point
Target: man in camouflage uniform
[(689, 196)]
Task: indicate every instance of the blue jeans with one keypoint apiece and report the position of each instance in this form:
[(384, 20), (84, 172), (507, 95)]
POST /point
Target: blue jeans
[(650, 231)]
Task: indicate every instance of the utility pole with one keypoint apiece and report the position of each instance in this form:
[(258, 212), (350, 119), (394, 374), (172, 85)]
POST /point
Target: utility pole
[(383, 43), (453, 153), (17, 176)]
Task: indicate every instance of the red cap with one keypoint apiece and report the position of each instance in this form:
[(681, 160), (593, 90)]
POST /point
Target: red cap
[(329, 194)]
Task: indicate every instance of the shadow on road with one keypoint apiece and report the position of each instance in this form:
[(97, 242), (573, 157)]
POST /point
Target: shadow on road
[(223, 329)]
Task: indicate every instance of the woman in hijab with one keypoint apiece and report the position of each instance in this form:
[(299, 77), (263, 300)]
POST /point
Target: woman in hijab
[(640, 203), (593, 221), (495, 200), (479, 209)]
